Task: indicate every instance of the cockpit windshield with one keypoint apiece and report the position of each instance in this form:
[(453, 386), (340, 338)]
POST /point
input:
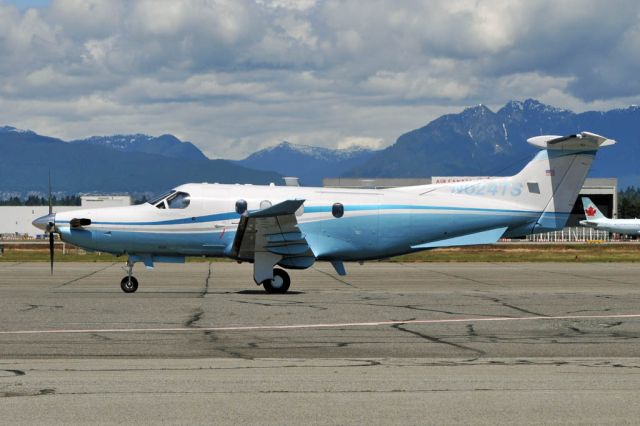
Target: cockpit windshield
[(179, 200), (172, 200), (160, 198)]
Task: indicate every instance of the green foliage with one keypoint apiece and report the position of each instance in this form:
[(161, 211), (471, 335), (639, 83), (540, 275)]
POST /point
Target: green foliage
[(629, 203)]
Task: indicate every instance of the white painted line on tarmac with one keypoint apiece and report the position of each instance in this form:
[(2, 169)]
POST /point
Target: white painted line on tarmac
[(312, 326)]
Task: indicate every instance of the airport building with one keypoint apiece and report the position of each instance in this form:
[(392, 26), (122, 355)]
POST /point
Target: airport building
[(602, 191), (15, 221)]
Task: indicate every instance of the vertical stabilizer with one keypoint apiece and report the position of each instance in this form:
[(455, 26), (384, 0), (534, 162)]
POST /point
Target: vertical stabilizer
[(553, 179), (591, 212)]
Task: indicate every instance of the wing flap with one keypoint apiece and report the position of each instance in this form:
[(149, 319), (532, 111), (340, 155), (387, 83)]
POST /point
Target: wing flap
[(273, 230)]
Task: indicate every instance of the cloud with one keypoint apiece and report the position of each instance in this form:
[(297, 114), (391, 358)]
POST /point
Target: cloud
[(233, 76)]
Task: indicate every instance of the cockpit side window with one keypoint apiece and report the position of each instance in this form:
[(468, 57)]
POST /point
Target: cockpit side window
[(179, 200)]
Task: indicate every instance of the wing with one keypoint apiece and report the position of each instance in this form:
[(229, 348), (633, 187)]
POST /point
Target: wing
[(273, 230)]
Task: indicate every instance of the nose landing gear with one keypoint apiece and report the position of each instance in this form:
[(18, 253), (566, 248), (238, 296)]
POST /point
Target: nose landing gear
[(129, 284)]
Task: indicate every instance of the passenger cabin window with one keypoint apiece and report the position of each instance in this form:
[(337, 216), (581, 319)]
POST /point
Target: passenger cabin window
[(337, 210)]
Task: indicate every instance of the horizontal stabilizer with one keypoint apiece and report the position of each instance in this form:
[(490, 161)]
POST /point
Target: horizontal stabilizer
[(280, 209), (580, 141), (484, 237)]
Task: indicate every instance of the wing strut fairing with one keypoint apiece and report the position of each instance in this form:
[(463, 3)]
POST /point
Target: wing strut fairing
[(484, 237)]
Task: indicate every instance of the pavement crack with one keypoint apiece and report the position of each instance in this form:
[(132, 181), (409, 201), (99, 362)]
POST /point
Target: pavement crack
[(422, 309), (514, 307), (31, 307), (340, 280), (205, 290), (195, 317), (101, 337), (460, 277), (280, 303), (437, 340), (86, 275), (11, 373)]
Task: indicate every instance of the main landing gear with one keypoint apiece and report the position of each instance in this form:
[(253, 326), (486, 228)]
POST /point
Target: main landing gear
[(129, 284), (279, 284)]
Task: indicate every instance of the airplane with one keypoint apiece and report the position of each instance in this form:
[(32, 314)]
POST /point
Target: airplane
[(595, 219), (293, 227)]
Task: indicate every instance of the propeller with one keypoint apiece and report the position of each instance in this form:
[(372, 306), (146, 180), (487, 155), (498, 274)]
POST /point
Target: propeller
[(48, 225)]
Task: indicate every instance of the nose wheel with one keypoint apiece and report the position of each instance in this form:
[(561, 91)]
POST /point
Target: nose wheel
[(129, 284), (279, 284)]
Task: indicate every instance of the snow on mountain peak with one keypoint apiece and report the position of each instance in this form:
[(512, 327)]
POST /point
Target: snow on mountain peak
[(11, 129), (319, 153)]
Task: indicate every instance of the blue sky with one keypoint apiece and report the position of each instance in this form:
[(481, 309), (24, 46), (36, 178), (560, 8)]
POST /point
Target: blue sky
[(233, 76)]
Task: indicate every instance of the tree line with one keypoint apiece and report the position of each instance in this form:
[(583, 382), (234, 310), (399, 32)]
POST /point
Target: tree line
[(33, 200), (629, 203)]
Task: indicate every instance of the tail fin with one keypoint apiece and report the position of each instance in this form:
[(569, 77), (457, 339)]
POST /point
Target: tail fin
[(548, 184), (552, 180), (590, 209)]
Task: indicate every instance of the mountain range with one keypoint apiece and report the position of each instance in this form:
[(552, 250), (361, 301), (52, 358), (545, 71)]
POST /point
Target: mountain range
[(476, 141), (95, 166), (165, 145), (480, 142), (311, 164)]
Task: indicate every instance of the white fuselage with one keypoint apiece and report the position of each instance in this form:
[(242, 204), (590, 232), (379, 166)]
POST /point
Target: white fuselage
[(375, 224), (619, 226)]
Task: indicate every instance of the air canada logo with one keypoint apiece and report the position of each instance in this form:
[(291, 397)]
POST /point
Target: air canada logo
[(590, 211)]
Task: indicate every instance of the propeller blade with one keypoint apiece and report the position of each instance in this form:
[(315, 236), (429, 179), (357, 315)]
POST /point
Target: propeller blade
[(51, 249)]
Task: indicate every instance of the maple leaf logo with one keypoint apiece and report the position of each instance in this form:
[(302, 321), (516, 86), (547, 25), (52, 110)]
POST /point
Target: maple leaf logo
[(590, 211)]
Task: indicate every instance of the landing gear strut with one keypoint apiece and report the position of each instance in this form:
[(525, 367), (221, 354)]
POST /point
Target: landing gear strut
[(129, 284), (279, 284)]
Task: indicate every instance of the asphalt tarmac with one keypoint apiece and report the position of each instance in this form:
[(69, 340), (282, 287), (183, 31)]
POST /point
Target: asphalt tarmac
[(390, 343)]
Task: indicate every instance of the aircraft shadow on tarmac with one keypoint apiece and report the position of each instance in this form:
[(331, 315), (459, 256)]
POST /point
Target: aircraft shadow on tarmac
[(173, 292), (262, 292)]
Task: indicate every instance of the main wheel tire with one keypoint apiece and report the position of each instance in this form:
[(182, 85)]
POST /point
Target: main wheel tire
[(279, 284), (129, 284)]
